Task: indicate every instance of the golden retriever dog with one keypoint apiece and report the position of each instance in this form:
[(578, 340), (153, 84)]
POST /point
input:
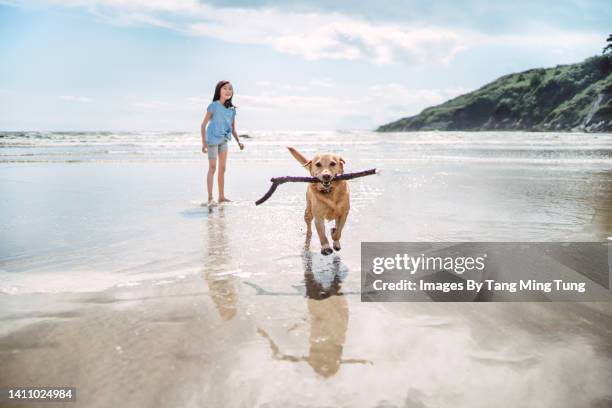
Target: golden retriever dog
[(326, 200)]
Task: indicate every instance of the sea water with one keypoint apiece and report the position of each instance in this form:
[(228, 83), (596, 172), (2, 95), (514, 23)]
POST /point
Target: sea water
[(89, 210)]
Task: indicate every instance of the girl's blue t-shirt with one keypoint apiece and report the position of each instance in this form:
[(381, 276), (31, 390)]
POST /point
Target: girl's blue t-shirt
[(220, 125)]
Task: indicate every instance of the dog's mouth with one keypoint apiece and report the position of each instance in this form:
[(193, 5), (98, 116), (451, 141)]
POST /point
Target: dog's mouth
[(326, 184)]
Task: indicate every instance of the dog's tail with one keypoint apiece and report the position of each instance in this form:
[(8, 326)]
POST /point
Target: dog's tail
[(298, 156)]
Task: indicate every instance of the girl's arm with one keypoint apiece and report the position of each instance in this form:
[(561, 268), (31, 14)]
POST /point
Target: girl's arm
[(203, 131), (236, 135)]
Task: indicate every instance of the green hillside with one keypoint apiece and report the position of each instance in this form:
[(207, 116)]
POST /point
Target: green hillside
[(566, 97)]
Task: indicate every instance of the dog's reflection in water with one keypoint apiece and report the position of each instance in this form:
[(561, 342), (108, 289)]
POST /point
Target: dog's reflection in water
[(328, 313), (222, 286)]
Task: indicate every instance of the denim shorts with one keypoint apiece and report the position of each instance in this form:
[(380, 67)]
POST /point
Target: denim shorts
[(214, 150)]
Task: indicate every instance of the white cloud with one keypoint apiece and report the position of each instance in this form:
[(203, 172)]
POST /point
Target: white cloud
[(72, 98), (311, 36), (168, 106), (198, 101), (323, 82), (155, 105), (381, 103), (316, 36)]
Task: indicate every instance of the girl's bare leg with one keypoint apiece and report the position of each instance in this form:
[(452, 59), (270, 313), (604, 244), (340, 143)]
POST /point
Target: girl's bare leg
[(221, 177), (212, 165)]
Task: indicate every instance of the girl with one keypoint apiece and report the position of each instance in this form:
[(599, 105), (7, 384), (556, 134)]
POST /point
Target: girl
[(220, 113)]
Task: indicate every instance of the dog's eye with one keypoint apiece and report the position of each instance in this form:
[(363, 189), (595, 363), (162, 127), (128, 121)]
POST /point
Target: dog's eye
[(332, 163), (318, 164)]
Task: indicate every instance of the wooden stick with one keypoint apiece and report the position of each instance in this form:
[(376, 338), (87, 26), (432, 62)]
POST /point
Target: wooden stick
[(276, 181)]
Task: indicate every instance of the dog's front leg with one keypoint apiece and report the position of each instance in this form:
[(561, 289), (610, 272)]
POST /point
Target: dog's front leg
[(320, 224), (337, 231), (308, 220)]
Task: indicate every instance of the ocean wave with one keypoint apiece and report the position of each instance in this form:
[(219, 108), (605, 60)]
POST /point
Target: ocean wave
[(470, 147)]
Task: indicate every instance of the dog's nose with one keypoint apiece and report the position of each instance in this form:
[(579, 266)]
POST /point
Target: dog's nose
[(326, 177)]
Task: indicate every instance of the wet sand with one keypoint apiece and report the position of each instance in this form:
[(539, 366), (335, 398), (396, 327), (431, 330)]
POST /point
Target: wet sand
[(220, 342), (116, 283)]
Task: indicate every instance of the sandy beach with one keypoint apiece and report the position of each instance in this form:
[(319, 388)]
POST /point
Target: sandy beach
[(115, 280)]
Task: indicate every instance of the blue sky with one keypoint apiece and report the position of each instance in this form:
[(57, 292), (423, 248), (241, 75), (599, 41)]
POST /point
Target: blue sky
[(295, 65)]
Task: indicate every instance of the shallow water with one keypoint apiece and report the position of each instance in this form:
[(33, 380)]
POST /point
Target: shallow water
[(118, 208), (115, 216)]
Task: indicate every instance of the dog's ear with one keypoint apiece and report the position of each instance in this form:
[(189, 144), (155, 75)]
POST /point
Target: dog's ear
[(298, 156), (308, 165), (342, 163)]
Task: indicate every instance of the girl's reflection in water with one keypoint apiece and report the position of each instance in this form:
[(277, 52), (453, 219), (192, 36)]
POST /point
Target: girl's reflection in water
[(221, 284)]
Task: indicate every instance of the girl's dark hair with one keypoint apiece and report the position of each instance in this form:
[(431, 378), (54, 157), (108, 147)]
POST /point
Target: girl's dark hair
[(217, 95)]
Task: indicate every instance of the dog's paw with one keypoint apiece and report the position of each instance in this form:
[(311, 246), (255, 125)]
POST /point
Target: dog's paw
[(326, 251), (337, 246)]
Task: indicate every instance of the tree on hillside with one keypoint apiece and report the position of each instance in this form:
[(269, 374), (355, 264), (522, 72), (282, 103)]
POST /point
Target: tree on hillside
[(608, 48)]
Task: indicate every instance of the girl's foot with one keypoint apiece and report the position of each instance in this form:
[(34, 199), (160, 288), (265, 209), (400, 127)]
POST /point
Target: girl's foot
[(211, 202), (224, 200)]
